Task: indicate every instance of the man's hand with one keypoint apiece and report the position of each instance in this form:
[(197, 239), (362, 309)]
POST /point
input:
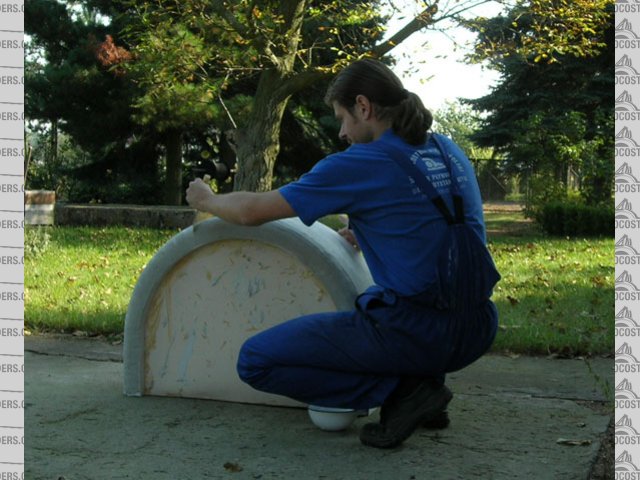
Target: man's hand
[(199, 194), (347, 233), (241, 208), (349, 237)]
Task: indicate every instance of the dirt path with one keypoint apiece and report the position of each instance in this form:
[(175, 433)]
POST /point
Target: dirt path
[(496, 206)]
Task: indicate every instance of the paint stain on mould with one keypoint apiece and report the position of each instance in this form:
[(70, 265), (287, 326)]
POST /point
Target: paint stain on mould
[(161, 300), (217, 280), (150, 333), (211, 300)]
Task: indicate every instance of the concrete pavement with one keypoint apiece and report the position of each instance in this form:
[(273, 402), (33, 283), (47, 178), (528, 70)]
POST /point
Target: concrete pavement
[(512, 418)]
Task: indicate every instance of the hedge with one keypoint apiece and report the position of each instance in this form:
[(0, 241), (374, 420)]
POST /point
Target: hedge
[(574, 219)]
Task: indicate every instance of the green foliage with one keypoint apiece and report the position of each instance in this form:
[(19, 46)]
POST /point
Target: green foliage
[(77, 177), (117, 74), (36, 242), (555, 155), (79, 113), (571, 218), (271, 49), (544, 30), (597, 160), (172, 63), (178, 68), (460, 121), (64, 80), (551, 121), (49, 170), (185, 55)]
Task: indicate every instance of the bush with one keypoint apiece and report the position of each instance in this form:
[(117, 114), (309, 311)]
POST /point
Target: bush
[(569, 218), (36, 241)]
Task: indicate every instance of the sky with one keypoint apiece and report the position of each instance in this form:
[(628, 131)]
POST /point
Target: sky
[(430, 63)]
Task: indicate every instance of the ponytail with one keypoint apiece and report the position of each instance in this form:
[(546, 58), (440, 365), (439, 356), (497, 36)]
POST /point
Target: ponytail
[(410, 120)]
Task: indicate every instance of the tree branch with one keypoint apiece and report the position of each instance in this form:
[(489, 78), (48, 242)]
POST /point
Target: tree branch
[(269, 53), (299, 81), (465, 6), (227, 16), (293, 12), (250, 17), (419, 22), (261, 44)]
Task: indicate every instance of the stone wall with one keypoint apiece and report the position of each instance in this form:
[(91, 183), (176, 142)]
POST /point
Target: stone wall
[(39, 207), (126, 215)]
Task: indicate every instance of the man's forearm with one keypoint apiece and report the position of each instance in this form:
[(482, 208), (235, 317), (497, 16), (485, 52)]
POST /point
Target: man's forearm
[(234, 207), (249, 208)]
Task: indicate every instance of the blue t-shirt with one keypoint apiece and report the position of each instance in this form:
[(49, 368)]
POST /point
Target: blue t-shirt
[(398, 228)]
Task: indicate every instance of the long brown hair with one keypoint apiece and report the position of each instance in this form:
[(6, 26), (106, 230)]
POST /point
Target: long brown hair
[(410, 119)]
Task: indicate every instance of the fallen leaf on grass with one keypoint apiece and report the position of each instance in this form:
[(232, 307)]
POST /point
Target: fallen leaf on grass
[(573, 443), (232, 467)]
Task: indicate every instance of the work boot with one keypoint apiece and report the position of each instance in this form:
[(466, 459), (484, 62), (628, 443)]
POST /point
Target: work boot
[(399, 417), (439, 422)]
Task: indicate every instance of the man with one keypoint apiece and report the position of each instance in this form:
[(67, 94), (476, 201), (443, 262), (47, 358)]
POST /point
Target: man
[(429, 312)]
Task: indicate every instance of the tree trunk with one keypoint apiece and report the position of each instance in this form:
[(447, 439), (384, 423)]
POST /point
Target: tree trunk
[(173, 182), (53, 145), (258, 144)]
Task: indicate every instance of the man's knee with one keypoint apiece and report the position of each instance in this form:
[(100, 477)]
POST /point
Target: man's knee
[(250, 365)]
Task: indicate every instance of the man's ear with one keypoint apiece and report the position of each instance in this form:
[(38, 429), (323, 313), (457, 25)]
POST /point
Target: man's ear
[(364, 107)]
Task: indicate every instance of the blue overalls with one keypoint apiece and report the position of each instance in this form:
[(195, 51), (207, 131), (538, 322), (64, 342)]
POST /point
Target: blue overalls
[(355, 359)]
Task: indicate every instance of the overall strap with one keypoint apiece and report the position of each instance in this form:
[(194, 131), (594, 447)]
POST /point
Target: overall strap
[(425, 186)]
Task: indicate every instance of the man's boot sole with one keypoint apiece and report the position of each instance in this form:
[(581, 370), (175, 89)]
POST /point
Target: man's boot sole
[(439, 422), (374, 434)]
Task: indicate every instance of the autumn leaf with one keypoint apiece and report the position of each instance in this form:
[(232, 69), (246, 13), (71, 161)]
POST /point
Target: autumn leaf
[(573, 443), (232, 467)]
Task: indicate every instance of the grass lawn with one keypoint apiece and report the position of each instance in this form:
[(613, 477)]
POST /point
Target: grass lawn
[(81, 278), (556, 294)]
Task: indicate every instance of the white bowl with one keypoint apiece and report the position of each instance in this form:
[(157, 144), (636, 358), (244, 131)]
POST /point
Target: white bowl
[(332, 419)]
